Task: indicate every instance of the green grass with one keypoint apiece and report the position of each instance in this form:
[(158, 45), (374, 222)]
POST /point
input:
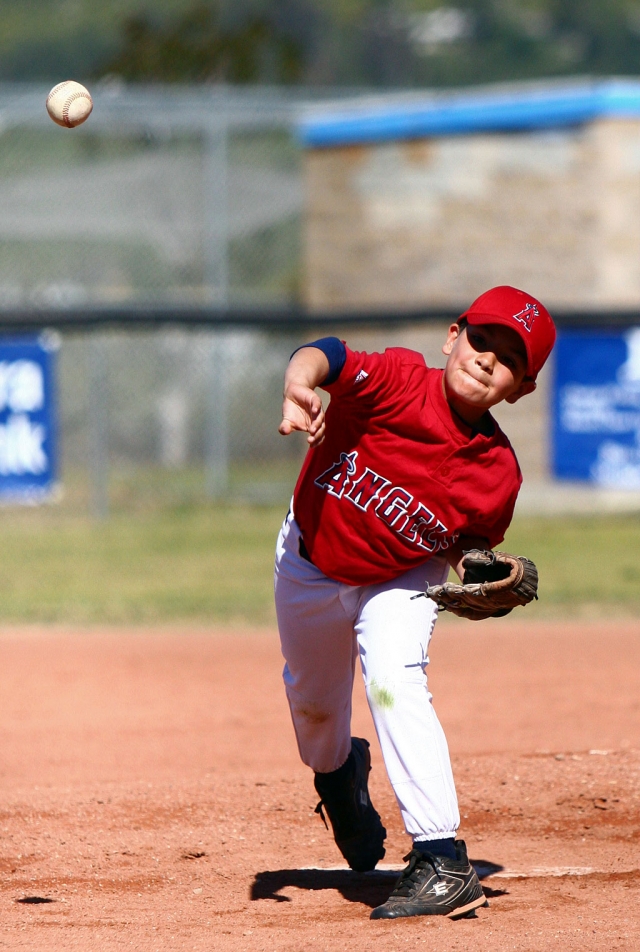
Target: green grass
[(195, 564), (199, 563), (588, 565)]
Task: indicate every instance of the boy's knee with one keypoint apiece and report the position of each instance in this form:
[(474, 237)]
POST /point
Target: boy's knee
[(309, 712), (387, 694), (381, 696), (314, 711)]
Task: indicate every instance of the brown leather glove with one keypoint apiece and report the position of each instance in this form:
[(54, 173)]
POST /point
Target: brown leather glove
[(493, 584)]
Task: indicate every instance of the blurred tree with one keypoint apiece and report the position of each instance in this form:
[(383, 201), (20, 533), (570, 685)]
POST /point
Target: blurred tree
[(200, 47), (485, 40), (320, 42)]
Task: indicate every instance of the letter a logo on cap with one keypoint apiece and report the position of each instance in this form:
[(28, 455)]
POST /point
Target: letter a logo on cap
[(527, 316), (524, 314)]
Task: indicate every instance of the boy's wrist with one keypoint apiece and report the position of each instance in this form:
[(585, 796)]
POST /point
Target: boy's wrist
[(293, 387)]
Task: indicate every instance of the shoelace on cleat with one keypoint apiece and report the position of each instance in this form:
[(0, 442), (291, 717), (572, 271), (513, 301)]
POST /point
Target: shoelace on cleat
[(410, 876), (320, 811)]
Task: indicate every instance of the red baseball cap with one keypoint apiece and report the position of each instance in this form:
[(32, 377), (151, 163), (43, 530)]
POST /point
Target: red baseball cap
[(522, 313)]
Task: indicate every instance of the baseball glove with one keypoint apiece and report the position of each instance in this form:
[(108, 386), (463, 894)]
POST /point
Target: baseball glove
[(494, 583)]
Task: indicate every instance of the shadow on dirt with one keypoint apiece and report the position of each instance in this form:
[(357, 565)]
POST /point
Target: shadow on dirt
[(370, 889), (34, 900), (485, 868)]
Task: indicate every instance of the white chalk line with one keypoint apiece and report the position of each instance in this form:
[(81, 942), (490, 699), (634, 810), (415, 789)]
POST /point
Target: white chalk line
[(536, 872)]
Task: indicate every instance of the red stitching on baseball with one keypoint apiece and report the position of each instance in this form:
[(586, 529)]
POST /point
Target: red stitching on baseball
[(67, 103), (56, 89)]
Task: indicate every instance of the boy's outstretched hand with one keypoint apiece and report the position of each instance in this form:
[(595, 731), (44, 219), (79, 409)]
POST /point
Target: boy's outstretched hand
[(302, 410), (302, 407)]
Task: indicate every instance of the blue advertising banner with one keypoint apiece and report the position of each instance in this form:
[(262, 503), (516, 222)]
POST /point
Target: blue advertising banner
[(596, 408), (28, 451)]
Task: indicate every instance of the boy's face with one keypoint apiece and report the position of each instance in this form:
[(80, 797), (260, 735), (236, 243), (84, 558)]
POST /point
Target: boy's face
[(487, 364)]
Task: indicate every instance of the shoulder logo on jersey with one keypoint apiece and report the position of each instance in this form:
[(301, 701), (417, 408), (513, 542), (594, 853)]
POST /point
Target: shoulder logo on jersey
[(360, 376), (527, 316), (395, 506)]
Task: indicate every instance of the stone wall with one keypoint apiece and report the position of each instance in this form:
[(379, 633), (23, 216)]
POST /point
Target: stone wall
[(429, 222)]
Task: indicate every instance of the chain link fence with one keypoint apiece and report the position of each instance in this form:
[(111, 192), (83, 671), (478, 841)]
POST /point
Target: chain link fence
[(172, 415), (166, 197)]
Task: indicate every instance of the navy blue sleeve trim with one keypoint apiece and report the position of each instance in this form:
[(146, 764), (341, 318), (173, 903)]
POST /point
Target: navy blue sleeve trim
[(335, 352)]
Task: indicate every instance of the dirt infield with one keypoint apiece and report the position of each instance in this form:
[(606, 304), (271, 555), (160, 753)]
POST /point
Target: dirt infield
[(151, 797)]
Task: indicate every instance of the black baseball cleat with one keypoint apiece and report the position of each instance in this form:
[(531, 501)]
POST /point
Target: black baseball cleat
[(434, 886), (357, 828)]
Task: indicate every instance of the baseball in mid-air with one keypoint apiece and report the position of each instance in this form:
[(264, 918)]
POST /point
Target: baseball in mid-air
[(69, 104)]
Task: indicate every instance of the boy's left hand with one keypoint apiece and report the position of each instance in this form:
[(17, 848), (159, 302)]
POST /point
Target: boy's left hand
[(493, 584)]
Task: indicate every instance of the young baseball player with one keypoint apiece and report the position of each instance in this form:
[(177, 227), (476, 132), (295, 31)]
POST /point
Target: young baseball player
[(405, 471)]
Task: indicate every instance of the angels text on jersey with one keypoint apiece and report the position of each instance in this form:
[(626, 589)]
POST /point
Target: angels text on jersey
[(373, 493)]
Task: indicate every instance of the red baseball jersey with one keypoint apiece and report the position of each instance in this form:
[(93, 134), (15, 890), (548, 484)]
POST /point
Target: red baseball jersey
[(399, 476)]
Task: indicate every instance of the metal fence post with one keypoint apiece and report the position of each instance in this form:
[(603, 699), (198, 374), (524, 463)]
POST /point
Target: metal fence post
[(217, 280), (217, 436), (98, 426)]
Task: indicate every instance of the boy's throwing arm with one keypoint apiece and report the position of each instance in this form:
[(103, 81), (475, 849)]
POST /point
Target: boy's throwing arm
[(302, 408)]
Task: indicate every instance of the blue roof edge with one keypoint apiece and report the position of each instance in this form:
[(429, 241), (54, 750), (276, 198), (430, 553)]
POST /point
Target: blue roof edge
[(473, 111)]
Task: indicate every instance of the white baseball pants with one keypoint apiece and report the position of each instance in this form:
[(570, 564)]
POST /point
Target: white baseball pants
[(324, 625)]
